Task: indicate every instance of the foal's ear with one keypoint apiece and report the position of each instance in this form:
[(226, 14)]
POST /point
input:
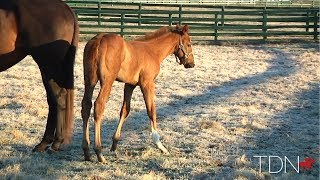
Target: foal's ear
[(185, 28)]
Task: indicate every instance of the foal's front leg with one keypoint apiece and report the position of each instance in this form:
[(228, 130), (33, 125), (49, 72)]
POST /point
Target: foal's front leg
[(148, 95)]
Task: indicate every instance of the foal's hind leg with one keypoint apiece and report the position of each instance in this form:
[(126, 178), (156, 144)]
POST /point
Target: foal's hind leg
[(128, 89), (148, 95), (99, 106), (85, 113)]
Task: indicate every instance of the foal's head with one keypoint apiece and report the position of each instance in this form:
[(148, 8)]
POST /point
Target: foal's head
[(183, 51)]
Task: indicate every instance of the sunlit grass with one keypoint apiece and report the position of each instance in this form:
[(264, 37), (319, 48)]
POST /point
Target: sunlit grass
[(212, 118)]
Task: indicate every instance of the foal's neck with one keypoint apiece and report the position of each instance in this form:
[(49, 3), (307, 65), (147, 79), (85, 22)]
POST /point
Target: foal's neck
[(164, 45)]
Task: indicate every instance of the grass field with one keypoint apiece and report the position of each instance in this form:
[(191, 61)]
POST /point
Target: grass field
[(240, 101)]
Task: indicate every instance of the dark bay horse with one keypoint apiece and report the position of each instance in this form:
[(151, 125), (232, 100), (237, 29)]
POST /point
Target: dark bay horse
[(108, 57), (48, 31)]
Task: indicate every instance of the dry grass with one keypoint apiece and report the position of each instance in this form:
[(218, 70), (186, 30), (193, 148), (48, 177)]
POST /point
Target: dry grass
[(239, 101)]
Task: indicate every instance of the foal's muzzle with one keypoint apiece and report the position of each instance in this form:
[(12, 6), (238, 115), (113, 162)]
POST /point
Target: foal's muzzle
[(189, 65), (185, 60)]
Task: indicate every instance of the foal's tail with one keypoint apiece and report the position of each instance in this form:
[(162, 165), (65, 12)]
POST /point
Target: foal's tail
[(90, 60), (70, 60)]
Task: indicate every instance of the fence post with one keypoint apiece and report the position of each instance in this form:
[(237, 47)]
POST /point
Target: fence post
[(222, 16), (170, 19), (99, 15), (264, 23), (215, 26), (315, 25), (313, 4), (139, 15), (122, 25), (180, 13), (307, 21)]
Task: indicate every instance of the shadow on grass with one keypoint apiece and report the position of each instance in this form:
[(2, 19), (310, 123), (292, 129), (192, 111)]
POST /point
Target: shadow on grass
[(296, 134), (12, 105), (296, 119), (281, 60), (24, 164)]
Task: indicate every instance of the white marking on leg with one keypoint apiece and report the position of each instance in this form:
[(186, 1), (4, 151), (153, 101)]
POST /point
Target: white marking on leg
[(155, 137), (156, 140)]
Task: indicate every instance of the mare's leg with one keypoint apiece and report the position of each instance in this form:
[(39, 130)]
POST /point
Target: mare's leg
[(85, 113), (60, 95), (128, 89), (53, 66), (148, 95), (48, 136), (99, 106), (56, 98)]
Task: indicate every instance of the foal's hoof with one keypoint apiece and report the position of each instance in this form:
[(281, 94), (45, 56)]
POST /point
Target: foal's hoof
[(162, 148), (165, 151), (87, 156), (114, 153), (101, 159), (113, 148)]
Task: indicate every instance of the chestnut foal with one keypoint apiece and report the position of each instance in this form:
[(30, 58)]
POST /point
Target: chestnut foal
[(108, 57)]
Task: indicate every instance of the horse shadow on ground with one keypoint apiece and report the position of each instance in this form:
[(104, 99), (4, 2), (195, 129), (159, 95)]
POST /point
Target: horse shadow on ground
[(297, 120), (216, 94), (296, 135), (24, 164)]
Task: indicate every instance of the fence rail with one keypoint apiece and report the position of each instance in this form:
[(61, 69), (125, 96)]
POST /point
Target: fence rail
[(215, 22), (277, 3)]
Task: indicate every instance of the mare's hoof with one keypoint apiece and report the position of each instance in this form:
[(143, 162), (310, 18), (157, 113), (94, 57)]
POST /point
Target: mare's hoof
[(39, 148), (51, 150)]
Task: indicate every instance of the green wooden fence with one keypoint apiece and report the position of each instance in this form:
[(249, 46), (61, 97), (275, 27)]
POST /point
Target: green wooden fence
[(206, 21), (277, 3)]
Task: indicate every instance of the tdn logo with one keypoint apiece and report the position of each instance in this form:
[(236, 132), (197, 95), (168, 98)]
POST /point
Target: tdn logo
[(307, 163), (277, 164)]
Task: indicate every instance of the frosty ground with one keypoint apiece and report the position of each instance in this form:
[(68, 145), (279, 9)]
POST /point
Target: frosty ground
[(239, 101)]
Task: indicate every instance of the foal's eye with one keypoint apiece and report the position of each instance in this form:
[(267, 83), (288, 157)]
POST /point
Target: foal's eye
[(189, 45)]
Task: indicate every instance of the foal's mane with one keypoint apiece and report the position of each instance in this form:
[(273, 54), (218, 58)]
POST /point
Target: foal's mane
[(161, 31)]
